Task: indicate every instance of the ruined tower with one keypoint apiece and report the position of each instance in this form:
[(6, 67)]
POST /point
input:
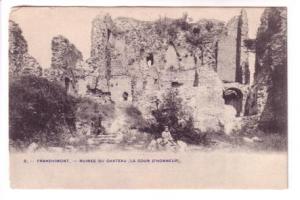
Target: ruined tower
[(101, 50), (233, 55)]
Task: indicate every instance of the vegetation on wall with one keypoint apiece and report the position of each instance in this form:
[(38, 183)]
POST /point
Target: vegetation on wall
[(174, 114)]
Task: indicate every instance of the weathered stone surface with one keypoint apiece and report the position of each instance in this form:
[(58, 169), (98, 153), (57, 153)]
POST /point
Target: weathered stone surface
[(144, 59), (65, 64), (268, 97), (233, 55), (64, 54), (121, 49), (243, 72), (100, 60), (20, 62)]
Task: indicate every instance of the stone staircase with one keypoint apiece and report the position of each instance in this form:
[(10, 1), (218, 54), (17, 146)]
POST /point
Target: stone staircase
[(108, 139)]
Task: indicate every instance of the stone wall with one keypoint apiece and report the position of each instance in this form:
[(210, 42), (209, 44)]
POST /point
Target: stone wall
[(20, 61), (144, 60), (243, 73), (233, 55), (65, 64), (183, 55), (268, 97), (128, 42), (64, 54)]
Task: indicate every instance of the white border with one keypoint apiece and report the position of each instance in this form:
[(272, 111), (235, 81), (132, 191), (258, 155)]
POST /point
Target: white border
[(294, 99), (218, 3)]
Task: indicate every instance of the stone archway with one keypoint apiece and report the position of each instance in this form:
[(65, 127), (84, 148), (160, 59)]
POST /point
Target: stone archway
[(234, 97)]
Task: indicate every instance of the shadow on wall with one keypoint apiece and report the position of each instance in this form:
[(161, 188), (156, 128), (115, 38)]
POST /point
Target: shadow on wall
[(274, 115)]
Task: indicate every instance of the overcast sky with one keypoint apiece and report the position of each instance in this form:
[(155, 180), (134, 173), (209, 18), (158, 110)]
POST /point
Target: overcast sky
[(41, 24)]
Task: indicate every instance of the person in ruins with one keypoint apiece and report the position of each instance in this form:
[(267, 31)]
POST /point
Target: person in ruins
[(99, 129), (83, 128), (167, 137), (86, 129)]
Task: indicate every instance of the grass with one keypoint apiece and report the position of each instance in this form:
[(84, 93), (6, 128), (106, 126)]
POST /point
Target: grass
[(270, 142)]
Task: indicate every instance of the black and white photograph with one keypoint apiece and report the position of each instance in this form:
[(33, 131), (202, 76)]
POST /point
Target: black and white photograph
[(148, 97)]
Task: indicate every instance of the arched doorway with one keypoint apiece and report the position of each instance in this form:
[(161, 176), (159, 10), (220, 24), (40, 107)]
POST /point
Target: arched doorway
[(67, 83), (125, 96), (234, 97), (150, 59)]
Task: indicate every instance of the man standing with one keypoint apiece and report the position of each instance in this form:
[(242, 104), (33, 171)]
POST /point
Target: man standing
[(99, 129)]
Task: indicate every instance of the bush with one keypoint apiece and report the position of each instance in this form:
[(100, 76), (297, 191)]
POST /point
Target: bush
[(177, 117), (39, 111), (89, 110), (135, 118)]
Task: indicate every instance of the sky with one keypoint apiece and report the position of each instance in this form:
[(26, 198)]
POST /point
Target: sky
[(41, 24)]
